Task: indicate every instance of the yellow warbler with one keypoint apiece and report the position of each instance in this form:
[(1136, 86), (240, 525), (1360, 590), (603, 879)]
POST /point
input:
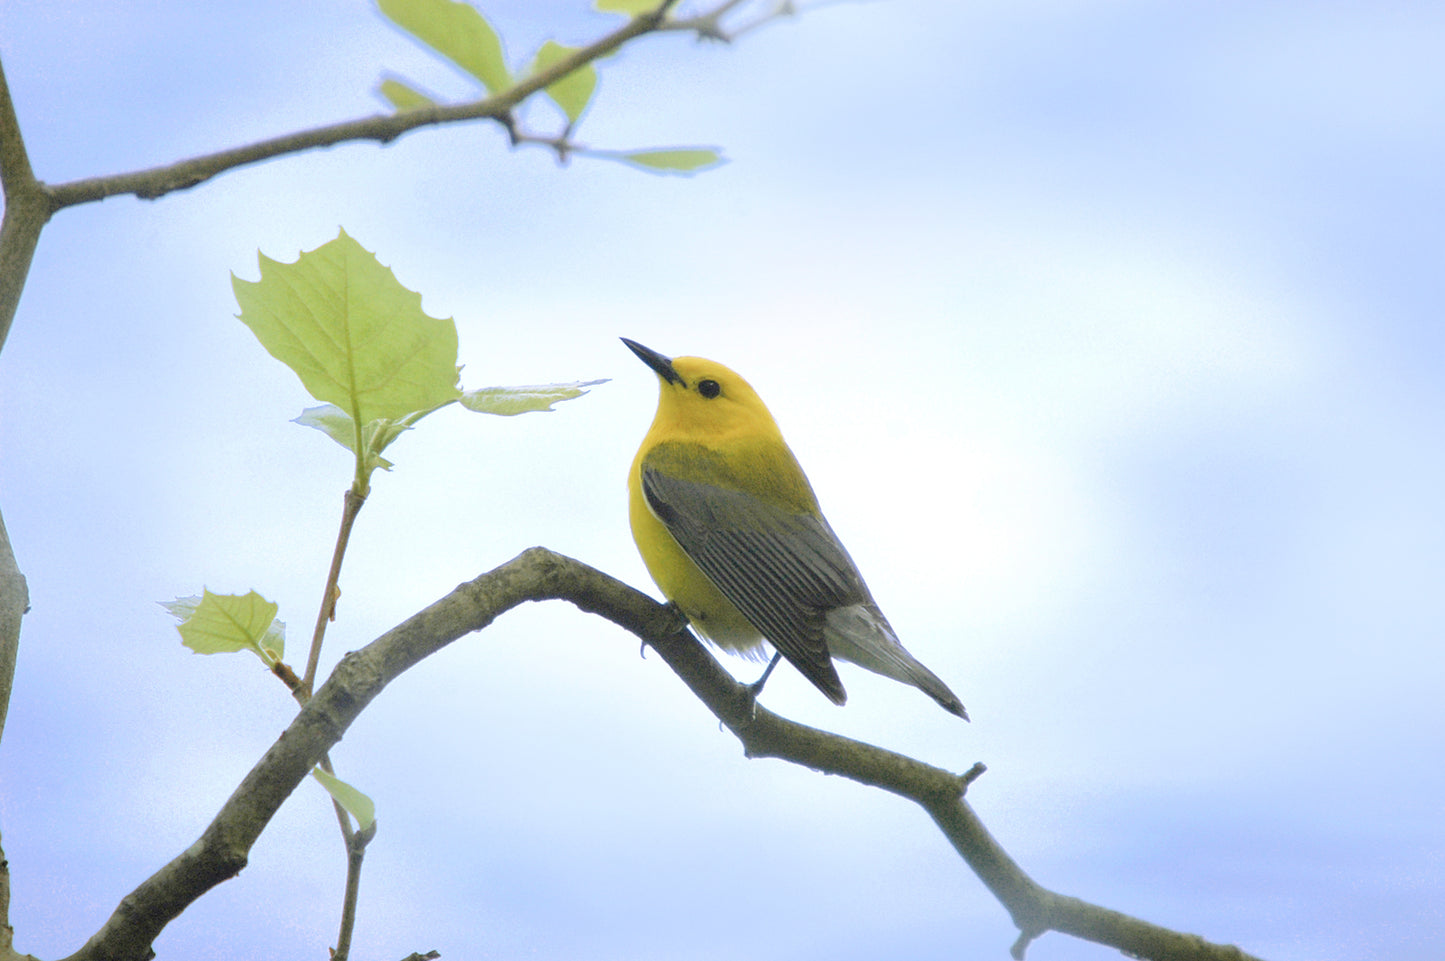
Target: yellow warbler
[(730, 530)]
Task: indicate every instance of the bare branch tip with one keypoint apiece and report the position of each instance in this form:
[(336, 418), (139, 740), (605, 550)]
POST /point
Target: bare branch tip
[(363, 837), (509, 123)]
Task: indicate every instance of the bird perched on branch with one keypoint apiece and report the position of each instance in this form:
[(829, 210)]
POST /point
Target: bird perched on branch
[(730, 530)]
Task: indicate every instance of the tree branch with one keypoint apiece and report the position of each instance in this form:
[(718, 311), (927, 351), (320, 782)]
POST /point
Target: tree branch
[(538, 575), (383, 128), (29, 203), (14, 602), (7, 934), (27, 210)]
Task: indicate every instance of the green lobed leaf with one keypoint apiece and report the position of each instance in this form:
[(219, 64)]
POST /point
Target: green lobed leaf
[(457, 31), (510, 401), (403, 96), (225, 623), (355, 336), (681, 160), (630, 7), (356, 804), (573, 91)]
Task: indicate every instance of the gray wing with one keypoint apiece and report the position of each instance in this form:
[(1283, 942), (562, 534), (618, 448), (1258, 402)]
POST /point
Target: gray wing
[(783, 571)]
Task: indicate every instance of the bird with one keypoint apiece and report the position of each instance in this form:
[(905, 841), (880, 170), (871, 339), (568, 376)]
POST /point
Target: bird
[(729, 527)]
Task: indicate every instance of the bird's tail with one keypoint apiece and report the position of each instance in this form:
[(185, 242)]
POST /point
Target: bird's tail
[(861, 634)]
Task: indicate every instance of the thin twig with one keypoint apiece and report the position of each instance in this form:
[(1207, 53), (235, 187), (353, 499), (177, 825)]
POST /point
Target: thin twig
[(709, 25), (355, 849), (351, 506), (355, 855), (301, 690)]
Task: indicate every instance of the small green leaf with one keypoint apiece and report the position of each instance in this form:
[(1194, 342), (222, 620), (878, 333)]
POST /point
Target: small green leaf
[(630, 7), (510, 401), (573, 91), (403, 96), (331, 421), (337, 424), (457, 31), (681, 160), (182, 607), (375, 436), (356, 337), (355, 803), (224, 623), (379, 434)]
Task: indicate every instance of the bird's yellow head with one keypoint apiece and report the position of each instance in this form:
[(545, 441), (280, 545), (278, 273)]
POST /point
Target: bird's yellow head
[(703, 401)]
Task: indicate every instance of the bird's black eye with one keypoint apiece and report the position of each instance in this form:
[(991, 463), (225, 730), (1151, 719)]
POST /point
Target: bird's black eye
[(708, 388)]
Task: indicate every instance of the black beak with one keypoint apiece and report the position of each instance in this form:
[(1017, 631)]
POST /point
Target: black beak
[(662, 365)]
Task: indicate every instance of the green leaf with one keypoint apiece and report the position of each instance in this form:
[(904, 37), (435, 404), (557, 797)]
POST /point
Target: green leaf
[(224, 623), (403, 96), (573, 91), (182, 607), (355, 803), (630, 7), (510, 401), (375, 436), (331, 421), (457, 31), (355, 337), (681, 160), (338, 425)]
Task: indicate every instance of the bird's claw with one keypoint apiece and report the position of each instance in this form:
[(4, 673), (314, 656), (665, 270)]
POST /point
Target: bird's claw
[(672, 621), (679, 621)]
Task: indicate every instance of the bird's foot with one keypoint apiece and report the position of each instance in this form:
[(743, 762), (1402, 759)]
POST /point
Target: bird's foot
[(672, 621), (756, 688), (679, 621)]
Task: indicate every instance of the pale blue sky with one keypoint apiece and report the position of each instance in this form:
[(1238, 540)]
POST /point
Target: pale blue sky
[(1108, 333)]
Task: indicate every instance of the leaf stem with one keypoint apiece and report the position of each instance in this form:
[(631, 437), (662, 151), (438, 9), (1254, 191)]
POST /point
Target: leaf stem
[(361, 483)]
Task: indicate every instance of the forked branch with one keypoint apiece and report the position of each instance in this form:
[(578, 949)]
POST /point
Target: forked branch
[(538, 575)]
